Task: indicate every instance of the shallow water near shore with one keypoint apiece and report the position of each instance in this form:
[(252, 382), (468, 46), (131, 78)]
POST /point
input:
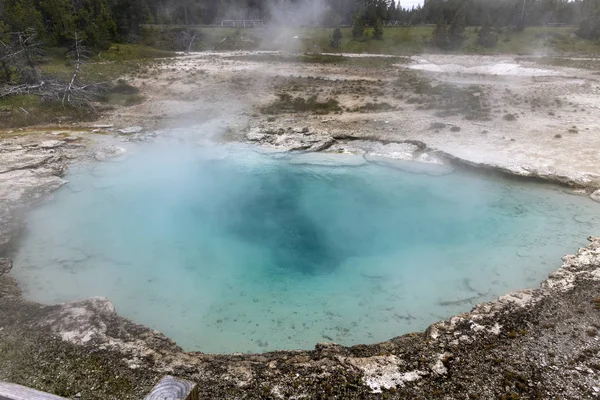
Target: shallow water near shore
[(230, 249)]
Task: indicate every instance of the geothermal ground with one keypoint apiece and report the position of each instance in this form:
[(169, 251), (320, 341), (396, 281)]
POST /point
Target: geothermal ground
[(506, 112), (525, 117)]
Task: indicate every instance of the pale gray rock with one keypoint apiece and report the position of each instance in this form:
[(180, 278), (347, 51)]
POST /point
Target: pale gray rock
[(51, 144), (256, 135), (323, 145), (5, 265), (130, 130), (596, 196), (29, 171)]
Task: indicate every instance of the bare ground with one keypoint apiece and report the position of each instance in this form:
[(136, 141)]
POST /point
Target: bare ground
[(528, 119)]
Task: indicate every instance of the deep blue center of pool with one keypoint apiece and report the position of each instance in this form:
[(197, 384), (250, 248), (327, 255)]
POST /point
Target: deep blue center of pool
[(228, 249)]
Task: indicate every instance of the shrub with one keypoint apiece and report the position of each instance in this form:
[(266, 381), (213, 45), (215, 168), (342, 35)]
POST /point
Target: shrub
[(336, 38), (440, 35), (487, 37), (378, 30), (590, 27), (358, 27), (456, 34)]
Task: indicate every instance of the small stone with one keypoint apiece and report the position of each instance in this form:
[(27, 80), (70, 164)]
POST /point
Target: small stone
[(255, 135), (305, 130), (78, 395), (131, 130), (596, 196), (5, 265), (51, 144), (439, 368)]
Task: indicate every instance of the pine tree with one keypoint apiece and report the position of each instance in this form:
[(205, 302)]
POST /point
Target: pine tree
[(358, 27), (392, 11), (456, 32), (59, 20), (440, 34), (381, 11), (336, 38), (5, 69), (378, 30), (21, 15), (488, 37), (590, 27)]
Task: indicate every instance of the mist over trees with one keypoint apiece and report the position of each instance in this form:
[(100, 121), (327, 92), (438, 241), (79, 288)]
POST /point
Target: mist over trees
[(100, 22)]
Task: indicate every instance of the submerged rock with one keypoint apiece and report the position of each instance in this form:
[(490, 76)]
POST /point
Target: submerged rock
[(596, 196), (109, 152), (329, 159), (417, 166)]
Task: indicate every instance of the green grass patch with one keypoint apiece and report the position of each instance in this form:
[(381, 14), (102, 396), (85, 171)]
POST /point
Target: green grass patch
[(25, 110), (132, 52), (590, 64), (533, 40), (396, 40)]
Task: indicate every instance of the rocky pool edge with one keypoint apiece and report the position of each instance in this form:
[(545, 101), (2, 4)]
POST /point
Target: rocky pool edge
[(438, 360)]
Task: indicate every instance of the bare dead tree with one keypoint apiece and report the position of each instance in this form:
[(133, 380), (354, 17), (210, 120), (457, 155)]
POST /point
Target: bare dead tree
[(186, 40), (20, 55), (77, 93), (191, 43), (69, 90), (30, 48), (4, 50)]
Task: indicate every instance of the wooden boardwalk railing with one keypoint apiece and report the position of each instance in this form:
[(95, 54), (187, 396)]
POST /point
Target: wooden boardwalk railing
[(169, 388)]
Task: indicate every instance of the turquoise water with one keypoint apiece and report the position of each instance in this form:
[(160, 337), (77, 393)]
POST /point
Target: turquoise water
[(227, 249)]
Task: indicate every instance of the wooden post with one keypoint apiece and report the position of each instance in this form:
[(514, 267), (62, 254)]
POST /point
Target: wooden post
[(10, 391), (171, 388)]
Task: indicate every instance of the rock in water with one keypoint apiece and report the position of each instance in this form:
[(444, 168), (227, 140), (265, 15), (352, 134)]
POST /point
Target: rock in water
[(109, 152), (596, 196)]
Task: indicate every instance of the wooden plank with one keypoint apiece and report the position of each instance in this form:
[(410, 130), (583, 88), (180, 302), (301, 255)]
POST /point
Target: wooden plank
[(10, 391), (171, 388)]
